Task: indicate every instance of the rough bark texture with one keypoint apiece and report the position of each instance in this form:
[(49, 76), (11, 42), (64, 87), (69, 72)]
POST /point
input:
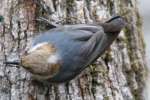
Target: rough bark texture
[(118, 75)]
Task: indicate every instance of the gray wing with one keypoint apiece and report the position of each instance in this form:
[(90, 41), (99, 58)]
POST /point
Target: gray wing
[(88, 52), (82, 32), (91, 45), (80, 35), (89, 34)]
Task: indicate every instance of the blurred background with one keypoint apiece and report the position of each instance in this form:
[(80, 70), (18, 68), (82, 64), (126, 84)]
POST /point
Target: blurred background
[(145, 13)]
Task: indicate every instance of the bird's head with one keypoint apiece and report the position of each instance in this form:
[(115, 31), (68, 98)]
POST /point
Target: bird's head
[(40, 59), (114, 25)]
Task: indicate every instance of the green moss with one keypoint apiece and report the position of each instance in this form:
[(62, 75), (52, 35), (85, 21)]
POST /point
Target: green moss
[(139, 21), (107, 56), (69, 9), (129, 76), (69, 5), (110, 5), (69, 2), (135, 65), (136, 95), (137, 70), (144, 45), (139, 29), (41, 25), (106, 98)]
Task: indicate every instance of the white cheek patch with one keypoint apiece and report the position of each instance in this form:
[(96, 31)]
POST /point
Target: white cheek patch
[(53, 59), (37, 46)]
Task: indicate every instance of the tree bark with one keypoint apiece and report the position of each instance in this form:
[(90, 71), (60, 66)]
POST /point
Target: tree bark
[(118, 75)]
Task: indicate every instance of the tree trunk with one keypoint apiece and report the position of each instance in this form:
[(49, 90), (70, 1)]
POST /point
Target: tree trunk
[(117, 75)]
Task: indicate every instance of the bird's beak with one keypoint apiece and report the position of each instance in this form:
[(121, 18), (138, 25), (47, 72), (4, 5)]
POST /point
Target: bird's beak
[(17, 63)]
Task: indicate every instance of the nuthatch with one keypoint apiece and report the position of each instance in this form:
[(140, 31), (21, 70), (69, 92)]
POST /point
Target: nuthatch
[(61, 53)]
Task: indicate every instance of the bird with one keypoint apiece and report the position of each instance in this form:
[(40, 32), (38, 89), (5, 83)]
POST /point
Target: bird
[(63, 52)]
